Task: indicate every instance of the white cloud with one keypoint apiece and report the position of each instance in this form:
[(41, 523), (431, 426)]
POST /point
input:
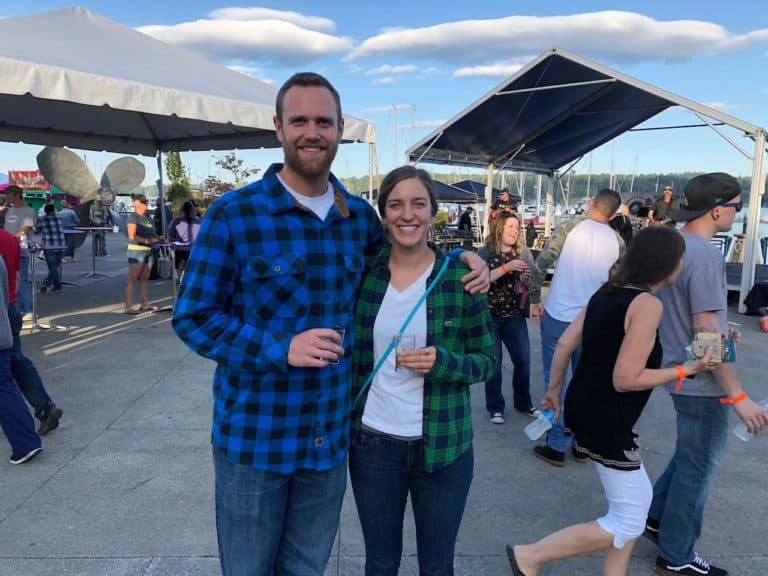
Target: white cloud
[(317, 23), (384, 80), (616, 36), (487, 70), (388, 69), (271, 41), (252, 71)]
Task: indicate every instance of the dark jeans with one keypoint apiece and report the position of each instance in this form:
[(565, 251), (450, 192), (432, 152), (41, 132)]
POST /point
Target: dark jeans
[(680, 493), (551, 330), (15, 420), (512, 331), (384, 470), (70, 240), (24, 372), (53, 259), (99, 241), (269, 523)]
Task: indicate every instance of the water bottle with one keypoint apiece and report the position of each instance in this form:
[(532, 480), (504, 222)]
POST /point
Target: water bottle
[(536, 429), (741, 429)]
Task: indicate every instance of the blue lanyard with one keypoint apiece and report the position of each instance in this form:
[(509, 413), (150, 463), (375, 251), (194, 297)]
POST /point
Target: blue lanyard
[(396, 338)]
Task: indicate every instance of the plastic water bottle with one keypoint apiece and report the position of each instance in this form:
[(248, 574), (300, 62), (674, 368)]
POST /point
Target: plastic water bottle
[(536, 429), (741, 429)]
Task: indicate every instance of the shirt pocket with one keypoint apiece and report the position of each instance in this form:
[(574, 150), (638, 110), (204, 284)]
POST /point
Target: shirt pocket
[(280, 285), (353, 267)]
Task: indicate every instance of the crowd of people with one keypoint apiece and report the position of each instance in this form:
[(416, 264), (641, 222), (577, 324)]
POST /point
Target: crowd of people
[(326, 276), (346, 342)]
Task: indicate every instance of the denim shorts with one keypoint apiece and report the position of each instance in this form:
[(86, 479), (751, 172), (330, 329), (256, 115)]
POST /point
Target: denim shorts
[(140, 257)]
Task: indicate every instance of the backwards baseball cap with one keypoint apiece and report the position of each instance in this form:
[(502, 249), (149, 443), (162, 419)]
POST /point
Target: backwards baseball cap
[(705, 192)]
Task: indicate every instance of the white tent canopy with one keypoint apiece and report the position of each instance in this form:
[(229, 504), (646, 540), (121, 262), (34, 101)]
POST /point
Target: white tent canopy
[(73, 78)]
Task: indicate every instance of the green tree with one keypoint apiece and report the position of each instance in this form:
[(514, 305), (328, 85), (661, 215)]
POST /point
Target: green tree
[(233, 165), (174, 168)]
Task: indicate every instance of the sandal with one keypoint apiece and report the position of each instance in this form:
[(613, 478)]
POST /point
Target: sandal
[(131, 311), (149, 308), (513, 562)]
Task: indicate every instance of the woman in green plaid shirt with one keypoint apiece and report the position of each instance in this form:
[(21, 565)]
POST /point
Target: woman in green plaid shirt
[(412, 429)]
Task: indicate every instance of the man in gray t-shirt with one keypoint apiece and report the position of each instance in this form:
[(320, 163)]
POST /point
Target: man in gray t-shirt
[(697, 302)]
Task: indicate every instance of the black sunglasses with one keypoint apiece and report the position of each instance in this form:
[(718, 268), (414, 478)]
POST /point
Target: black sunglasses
[(735, 205)]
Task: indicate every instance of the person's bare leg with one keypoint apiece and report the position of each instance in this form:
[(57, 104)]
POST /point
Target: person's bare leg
[(572, 541), (144, 285), (616, 561), (134, 270)]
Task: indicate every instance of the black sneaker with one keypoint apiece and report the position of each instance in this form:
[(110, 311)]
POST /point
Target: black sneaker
[(50, 421), (25, 457), (550, 455), (652, 531), (696, 567)]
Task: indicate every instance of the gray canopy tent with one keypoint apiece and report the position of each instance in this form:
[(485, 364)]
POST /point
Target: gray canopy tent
[(73, 78), (558, 108)]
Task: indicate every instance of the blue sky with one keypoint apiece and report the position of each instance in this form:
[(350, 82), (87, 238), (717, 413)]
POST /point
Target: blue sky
[(430, 60)]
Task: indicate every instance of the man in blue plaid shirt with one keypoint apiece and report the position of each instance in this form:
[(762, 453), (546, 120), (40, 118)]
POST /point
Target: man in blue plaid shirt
[(49, 227), (275, 267)]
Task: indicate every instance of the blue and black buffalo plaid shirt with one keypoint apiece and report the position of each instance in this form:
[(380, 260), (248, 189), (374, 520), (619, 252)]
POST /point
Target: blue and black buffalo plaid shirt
[(262, 270)]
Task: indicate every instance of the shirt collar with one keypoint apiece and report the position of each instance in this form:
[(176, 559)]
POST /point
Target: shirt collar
[(280, 200)]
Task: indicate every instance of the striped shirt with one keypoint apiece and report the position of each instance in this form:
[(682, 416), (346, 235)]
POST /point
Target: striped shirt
[(459, 327), (262, 270)]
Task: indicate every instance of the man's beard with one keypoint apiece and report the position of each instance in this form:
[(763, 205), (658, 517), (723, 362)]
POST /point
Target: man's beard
[(310, 168)]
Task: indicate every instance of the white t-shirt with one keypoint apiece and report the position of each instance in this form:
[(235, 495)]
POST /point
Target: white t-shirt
[(395, 403), (590, 250), (18, 218), (320, 205)]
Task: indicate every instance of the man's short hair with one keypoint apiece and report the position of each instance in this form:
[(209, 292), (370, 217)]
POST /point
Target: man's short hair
[(607, 202), (13, 189), (306, 79)]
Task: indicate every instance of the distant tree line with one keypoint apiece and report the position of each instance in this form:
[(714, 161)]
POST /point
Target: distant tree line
[(628, 185)]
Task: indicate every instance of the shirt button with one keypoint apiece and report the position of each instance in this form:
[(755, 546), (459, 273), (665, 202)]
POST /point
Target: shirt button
[(319, 442), (325, 297), (277, 268)]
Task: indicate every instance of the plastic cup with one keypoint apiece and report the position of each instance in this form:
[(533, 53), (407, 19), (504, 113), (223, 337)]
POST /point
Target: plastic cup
[(402, 343), (341, 332)]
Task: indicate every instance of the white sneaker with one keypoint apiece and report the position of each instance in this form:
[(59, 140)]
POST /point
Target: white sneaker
[(497, 418), (28, 317)]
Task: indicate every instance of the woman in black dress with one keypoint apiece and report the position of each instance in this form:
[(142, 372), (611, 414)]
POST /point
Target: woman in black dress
[(618, 368)]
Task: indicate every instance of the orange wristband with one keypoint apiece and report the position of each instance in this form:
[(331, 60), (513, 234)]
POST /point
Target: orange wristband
[(735, 400), (680, 377), (504, 269)]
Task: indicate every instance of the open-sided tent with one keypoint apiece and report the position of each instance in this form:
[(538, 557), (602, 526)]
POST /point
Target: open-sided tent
[(73, 78), (558, 108)]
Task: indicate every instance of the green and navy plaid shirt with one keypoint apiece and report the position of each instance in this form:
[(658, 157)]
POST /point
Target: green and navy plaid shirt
[(459, 327), (262, 270)]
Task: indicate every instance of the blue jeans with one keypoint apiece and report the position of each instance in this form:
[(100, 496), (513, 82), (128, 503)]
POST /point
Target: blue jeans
[(276, 524), (24, 290), (551, 330), (53, 259), (15, 420), (384, 470), (24, 372), (680, 494), (512, 331)]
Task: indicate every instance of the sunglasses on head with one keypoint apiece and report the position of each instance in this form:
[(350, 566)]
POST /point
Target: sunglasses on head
[(735, 205)]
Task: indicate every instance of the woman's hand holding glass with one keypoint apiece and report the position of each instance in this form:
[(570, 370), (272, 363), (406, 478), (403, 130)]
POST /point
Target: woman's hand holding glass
[(419, 360)]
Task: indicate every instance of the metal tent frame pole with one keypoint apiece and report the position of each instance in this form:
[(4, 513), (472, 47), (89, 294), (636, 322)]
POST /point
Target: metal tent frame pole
[(752, 242)]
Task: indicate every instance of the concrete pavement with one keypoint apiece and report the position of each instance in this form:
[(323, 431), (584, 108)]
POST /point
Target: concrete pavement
[(124, 486)]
